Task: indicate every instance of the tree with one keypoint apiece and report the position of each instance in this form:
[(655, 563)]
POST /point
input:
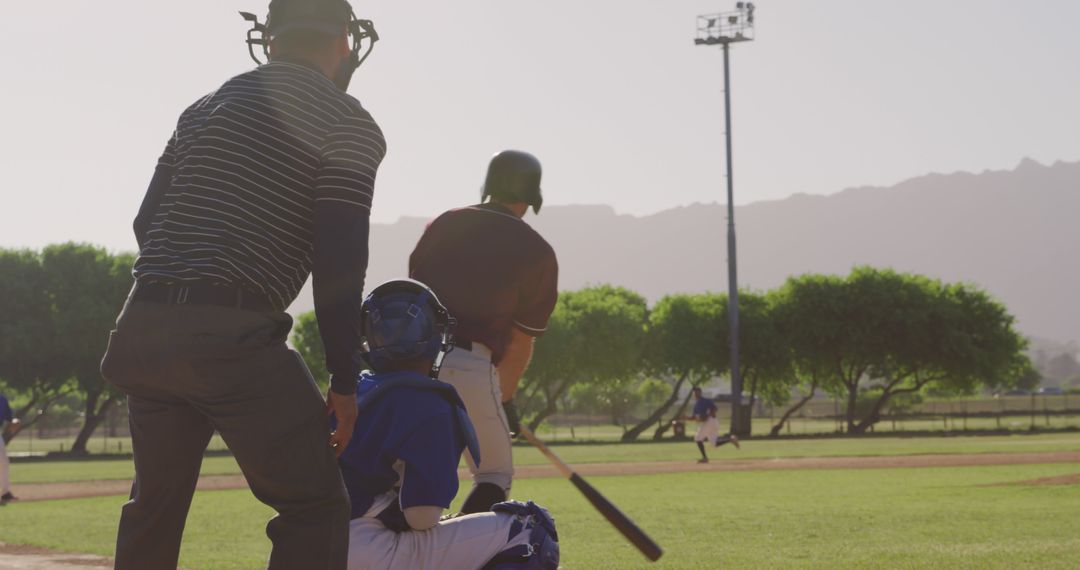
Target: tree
[(764, 355), (962, 339), (595, 335), (682, 344), (307, 341), (796, 306), (87, 288), (30, 351), (650, 391), (553, 368), (893, 334), (1062, 367)]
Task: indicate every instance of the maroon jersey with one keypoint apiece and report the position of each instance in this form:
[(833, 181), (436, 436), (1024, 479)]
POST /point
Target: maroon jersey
[(491, 270)]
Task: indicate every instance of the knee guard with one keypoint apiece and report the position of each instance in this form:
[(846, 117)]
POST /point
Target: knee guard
[(542, 550)]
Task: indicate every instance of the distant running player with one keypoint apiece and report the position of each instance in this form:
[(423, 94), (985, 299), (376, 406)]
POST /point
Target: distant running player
[(401, 466), (708, 426), (8, 424)]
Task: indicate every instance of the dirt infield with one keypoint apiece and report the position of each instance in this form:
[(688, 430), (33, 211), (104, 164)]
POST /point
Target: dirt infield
[(81, 489), (14, 557)]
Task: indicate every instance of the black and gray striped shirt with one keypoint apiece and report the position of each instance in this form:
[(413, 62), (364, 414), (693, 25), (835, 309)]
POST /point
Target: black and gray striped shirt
[(254, 172)]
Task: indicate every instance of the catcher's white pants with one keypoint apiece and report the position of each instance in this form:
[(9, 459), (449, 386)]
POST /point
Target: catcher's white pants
[(5, 479), (462, 543), (708, 430), (476, 380)]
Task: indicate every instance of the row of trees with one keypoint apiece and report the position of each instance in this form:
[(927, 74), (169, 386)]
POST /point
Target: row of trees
[(58, 306), (870, 338), (874, 339)]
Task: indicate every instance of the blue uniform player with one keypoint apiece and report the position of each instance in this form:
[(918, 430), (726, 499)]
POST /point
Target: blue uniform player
[(401, 466), (9, 424), (708, 427)]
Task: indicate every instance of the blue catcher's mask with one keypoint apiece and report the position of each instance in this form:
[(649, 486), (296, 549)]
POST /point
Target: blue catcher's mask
[(401, 320)]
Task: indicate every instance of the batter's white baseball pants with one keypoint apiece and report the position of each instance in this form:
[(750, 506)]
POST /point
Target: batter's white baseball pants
[(476, 380)]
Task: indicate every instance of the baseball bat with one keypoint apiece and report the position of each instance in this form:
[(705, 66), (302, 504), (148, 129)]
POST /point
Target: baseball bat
[(621, 522)]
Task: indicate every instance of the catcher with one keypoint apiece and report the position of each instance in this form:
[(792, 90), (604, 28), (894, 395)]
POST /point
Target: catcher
[(401, 466)]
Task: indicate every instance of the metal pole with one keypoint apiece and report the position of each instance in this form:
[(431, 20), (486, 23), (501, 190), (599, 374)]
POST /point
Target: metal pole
[(733, 283)]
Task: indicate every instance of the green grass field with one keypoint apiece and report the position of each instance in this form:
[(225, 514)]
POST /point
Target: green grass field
[(896, 518), (59, 471)]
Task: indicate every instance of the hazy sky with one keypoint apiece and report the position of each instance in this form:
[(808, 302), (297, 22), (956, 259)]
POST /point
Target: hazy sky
[(613, 97)]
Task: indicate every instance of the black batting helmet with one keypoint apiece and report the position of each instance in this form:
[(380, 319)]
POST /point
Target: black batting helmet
[(514, 176)]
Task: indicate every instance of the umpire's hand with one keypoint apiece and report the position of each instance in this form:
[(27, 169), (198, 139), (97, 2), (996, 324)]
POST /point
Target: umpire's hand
[(344, 407)]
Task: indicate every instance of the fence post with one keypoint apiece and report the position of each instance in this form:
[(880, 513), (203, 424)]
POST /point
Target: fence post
[(1032, 428)]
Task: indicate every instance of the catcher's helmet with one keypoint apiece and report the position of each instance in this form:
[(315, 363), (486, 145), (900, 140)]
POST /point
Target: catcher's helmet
[(514, 176), (402, 319), (325, 16)]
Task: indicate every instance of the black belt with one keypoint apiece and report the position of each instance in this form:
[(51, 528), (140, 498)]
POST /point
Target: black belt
[(223, 295)]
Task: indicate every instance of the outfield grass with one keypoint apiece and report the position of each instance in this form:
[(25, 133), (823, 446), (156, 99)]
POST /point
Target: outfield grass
[(60, 471), (896, 518)]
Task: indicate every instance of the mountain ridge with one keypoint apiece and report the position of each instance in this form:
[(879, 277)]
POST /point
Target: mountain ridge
[(1011, 232)]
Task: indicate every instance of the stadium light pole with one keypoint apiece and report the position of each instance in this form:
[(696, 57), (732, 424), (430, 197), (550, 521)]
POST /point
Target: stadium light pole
[(724, 29)]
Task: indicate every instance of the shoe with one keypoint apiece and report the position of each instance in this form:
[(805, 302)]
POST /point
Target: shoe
[(702, 460), (735, 441), (7, 498)]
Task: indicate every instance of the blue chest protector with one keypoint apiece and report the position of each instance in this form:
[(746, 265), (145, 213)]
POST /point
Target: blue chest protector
[(409, 417)]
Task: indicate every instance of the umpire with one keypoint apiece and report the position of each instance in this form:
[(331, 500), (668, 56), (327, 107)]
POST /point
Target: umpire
[(266, 180), (499, 278)]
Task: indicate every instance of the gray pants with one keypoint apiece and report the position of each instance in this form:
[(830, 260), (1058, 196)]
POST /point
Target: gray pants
[(476, 380), (191, 370)]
